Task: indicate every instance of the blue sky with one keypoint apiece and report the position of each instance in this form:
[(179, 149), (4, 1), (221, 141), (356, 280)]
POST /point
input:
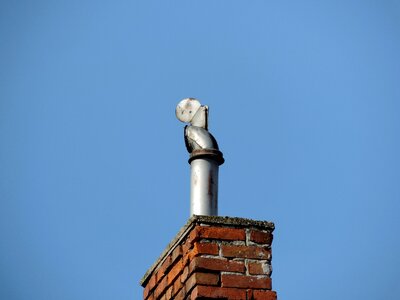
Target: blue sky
[(94, 181)]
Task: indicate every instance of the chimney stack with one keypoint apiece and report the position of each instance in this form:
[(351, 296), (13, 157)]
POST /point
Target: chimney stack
[(214, 258)]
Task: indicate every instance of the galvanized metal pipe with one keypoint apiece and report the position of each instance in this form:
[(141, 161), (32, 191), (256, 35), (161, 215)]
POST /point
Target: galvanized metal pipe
[(205, 157), (204, 187)]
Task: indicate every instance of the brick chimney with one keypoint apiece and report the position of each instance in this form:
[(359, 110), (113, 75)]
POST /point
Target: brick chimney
[(214, 258)]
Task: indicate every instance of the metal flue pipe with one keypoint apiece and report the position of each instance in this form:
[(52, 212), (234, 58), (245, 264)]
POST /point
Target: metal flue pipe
[(205, 157)]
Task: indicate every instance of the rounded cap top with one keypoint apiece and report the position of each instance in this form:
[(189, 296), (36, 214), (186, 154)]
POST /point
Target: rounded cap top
[(186, 109)]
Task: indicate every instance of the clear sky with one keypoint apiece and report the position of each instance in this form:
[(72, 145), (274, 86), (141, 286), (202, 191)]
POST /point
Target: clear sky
[(304, 101)]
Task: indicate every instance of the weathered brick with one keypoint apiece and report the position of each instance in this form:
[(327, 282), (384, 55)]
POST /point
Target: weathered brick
[(174, 272), (255, 252), (149, 287), (264, 295), (161, 272), (206, 248), (214, 264), (177, 285), (161, 287), (255, 268), (185, 274), (199, 249), (219, 233), (168, 280), (169, 261), (187, 245), (150, 297), (211, 292), (177, 253), (192, 237), (260, 237), (169, 293), (201, 279), (181, 295), (246, 282), (211, 262)]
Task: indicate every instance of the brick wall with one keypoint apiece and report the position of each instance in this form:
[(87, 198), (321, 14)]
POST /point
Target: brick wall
[(214, 258)]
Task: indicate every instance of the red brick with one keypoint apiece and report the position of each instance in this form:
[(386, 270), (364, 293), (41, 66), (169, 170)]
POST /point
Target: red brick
[(169, 293), (264, 295), (161, 272), (192, 270), (181, 295), (254, 252), (246, 282), (177, 285), (201, 248), (218, 233), (185, 274), (255, 268), (260, 237), (211, 292), (192, 237), (169, 261), (206, 248), (201, 279), (187, 245), (174, 272), (214, 264), (177, 253), (150, 286), (150, 297), (161, 286), (168, 280)]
